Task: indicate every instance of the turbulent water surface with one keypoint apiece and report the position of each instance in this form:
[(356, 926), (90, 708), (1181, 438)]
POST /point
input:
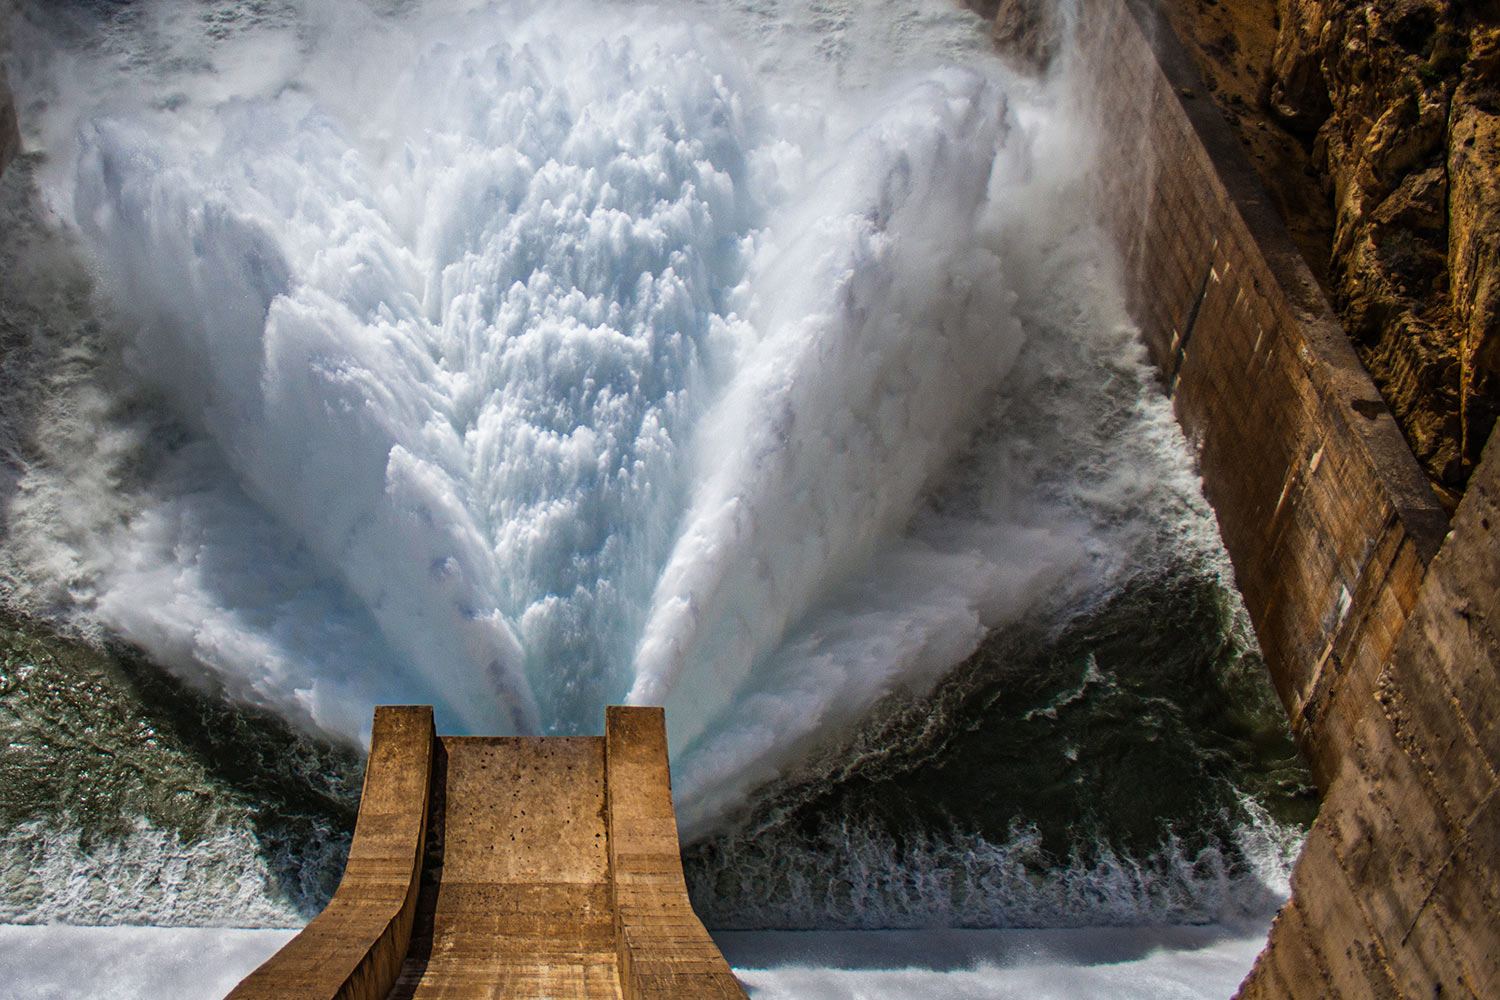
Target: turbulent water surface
[(763, 360)]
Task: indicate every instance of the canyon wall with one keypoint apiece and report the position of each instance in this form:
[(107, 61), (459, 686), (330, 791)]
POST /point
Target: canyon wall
[(1399, 100)]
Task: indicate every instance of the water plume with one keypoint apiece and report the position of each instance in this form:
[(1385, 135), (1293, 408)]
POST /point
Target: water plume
[(756, 359)]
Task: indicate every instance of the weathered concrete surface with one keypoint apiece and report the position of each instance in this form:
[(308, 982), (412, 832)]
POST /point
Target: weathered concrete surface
[(353, 949), (1327, 517), (664, 950), (537, 869), (1382, 647), (518, 903), (1398, 890)]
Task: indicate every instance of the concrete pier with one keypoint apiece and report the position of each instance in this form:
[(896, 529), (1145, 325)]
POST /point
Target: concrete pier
[(507, 867)]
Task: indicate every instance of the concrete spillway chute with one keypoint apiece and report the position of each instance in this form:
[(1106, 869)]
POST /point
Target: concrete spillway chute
[(507, 867)]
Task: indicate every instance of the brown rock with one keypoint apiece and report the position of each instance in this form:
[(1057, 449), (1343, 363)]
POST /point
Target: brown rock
[(1474, 235), (1398, 105), (1418, 204), (1298, 95), (1232, 44), (1409, 152), (1027, 31)]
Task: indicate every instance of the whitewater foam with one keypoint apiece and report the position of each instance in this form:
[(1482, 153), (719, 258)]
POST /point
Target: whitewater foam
[(849, 877), (579, 326), (1198, 963), (752, 359), (149, 876)]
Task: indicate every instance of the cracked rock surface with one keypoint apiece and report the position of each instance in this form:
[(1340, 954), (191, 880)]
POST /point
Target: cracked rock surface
[(1376, 126)]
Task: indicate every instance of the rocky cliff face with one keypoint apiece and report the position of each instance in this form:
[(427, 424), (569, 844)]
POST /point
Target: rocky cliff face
[(1396, 105), (1399, 98)]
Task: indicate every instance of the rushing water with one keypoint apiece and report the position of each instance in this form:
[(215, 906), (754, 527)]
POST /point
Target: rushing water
[(762, 360)]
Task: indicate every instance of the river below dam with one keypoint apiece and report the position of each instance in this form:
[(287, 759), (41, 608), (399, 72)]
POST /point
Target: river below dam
[(763, 360)]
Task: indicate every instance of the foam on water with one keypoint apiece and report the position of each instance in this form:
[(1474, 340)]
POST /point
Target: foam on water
[(853, 878), (61, 962), (149, 876), (143, 963)]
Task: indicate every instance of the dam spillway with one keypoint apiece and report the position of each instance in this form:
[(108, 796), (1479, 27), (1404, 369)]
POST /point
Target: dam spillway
[(534, 868), (1332, 539), (783, 385)]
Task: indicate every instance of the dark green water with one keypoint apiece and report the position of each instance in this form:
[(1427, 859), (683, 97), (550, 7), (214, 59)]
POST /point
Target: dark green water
[(1130, 766), (129, 796), (1113, 770)]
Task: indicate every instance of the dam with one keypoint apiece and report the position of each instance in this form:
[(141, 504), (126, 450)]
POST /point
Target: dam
[(1376, 615), (1373, 613), (518, 867)]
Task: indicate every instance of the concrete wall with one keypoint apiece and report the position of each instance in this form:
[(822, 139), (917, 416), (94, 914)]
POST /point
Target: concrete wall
[(355, 947), (1328, 519), (10, 132), (663, 949), (1389, 671), (1398, 888), (537, 868)]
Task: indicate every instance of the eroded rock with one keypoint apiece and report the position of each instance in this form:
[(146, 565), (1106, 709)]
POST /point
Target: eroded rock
[(1027, 31), (1397, 92), (1397, 104)]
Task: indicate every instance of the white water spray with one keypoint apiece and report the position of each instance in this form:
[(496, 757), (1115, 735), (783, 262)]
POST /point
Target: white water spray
[(534, 358)]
